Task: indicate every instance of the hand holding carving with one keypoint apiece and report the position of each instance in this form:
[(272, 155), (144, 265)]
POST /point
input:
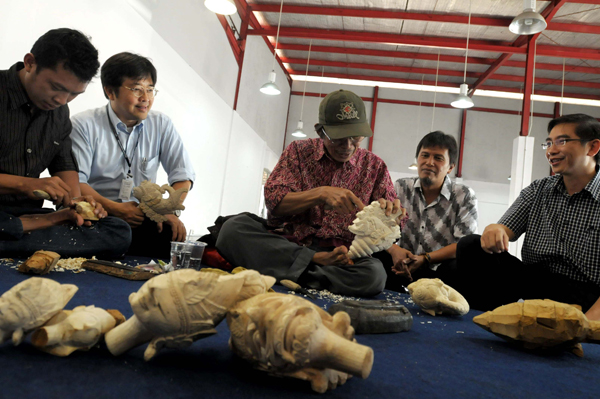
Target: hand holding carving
[(152, 202), (374, 230)]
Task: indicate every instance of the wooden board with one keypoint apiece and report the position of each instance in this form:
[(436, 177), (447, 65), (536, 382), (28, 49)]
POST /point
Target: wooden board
[(117, 270)]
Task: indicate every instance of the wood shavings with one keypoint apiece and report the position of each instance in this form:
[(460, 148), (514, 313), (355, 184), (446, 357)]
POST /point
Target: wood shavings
[(71, 264)]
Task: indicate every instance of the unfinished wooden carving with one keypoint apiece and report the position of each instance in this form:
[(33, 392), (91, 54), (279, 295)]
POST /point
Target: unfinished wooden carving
[(30, 304), (374, 230), (41, 262), (175, 309), (286, 335), (435, 297), (86, 210), (152, 202), (541, 324), (77, 329)]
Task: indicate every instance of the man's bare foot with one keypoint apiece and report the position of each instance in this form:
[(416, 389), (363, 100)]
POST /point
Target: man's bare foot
[(337, 257)]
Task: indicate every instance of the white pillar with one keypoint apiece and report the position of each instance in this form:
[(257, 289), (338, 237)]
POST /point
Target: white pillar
[(520, 172)]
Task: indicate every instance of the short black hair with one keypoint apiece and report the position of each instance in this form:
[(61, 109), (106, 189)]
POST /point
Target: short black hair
[(441, 140), (125, 65), (588, 128), (70, 48)]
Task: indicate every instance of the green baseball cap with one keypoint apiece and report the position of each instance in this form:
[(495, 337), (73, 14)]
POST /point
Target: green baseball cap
[(342, 114)]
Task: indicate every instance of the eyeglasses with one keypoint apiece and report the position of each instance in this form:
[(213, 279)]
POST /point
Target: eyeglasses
[(353, 139), (139, 91), (559, 142)]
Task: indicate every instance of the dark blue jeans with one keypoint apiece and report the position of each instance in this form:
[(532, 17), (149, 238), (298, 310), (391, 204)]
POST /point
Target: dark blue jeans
[(108, 238)]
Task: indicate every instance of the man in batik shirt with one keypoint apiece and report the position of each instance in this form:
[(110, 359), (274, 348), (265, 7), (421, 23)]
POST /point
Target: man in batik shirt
[(315, 191)]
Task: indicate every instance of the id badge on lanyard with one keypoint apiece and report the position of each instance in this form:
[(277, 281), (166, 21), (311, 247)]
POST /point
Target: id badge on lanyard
[(126, 188)]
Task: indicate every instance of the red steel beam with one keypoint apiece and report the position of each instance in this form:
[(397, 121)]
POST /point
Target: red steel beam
[(528, 88), (463, 124), (415, 16), (431, 83), (375, 37), (242, 46), (373, 114), (230, 37), (431, 71), (433, 57)]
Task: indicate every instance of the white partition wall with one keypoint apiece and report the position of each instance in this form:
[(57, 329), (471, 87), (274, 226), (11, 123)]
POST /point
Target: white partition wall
[(196, 78)]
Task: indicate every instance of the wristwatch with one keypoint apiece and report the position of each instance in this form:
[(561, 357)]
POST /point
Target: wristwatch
[(177, 212), (427, 258)]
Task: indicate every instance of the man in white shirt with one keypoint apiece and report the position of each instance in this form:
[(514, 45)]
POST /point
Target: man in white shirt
[(122, 143)]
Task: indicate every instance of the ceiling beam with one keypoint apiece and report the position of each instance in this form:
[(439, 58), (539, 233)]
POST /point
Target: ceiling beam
[(432, 71), (388, 38), (415, 16), (433, 57), (432, 83)]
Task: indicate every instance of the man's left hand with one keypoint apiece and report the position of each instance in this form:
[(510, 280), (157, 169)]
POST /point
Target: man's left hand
[(177, 226), (98, 209)]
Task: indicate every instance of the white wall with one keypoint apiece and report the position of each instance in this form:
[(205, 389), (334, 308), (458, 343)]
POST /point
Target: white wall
[(196, 77)]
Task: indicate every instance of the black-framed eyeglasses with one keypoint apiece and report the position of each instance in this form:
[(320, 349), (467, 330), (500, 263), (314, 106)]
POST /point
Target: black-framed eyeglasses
[(139, 91), (559, 142), (353, 139)]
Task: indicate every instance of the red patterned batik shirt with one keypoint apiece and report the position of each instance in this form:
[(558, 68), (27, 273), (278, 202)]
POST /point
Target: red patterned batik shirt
[(304, 165)]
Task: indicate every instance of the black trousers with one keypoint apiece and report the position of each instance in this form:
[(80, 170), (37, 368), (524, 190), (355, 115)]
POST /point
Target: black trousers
[(245, 242), (147, 241), (491, 280)]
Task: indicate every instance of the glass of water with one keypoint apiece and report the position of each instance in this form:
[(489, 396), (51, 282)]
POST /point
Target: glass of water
[(196, 256), (181, 252)]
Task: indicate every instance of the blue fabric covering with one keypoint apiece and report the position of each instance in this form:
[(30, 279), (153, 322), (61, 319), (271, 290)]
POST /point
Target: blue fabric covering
[(441, 357)]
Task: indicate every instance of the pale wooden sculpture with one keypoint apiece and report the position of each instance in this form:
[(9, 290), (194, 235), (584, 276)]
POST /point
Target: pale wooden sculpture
[(86, 210), (374, 230), (77, 329), (287, 335), (435, 297), (174, 309), (541, 324), (152, 202), (41, 262), (83, 208), (30, 304)]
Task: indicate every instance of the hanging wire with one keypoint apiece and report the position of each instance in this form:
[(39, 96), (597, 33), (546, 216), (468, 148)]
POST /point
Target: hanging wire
[(562, 89), (321, 86), (435, 91), (304, 92), (532, 88), (277, 37), (420, 102), (467, 51)]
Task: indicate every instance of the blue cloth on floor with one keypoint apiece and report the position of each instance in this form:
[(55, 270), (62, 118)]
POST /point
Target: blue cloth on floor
[(439, 357)]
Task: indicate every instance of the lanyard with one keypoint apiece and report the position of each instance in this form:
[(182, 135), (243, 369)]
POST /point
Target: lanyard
[(121, 145)]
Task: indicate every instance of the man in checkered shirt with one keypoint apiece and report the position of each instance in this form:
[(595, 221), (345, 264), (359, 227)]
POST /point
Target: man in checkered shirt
[(560, 217), (440, 212)]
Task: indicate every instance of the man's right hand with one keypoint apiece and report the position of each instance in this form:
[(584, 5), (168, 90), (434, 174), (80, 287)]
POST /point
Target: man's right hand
[(340, 200), (56, 188), (129, 212), (495, 238)]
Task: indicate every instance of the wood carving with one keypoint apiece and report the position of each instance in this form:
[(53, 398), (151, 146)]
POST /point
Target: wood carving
[(173, 310), (30, 304), (86, 210), (286, 335), (541, 324), (435, 297), (77, 329), (374, 230), (41, 262), (152, 202)]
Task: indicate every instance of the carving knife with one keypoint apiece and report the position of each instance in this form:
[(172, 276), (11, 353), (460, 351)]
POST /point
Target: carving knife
[(296, 288)]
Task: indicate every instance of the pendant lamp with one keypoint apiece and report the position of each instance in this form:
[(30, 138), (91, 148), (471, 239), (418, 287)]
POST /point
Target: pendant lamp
[(463, 100), (270, 87), (299, 132), (529, 22), (224, 7)]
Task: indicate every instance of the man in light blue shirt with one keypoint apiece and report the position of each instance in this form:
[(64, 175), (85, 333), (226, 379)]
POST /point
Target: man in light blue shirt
[(122, 143)]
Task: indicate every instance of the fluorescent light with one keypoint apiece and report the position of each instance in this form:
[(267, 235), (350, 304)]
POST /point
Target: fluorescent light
[(224, 7)]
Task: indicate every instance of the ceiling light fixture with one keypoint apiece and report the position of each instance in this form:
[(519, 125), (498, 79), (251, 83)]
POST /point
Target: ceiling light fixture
[(463, 100), (299, 132), (224, 7), (270, 87), (413, 166), (529, 22), (562, 89), (437, 73)]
